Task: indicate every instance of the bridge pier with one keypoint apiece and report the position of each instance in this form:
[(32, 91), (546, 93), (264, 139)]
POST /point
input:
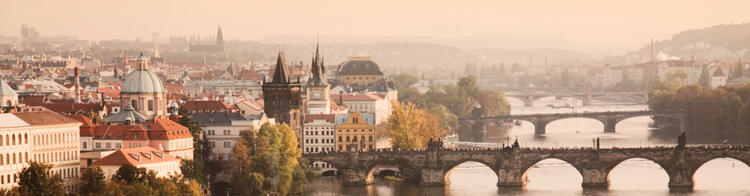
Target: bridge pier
[(432, 177), (681, 180), (356, 177), (540, 127), (528, 103), (511, 178), (594, 178), (609, 126)]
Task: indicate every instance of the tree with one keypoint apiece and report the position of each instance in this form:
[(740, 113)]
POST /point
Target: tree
[(129, 174), (36, 180), (92, 181), (269, 161), (411, 128), (196, 168), (493, 102)]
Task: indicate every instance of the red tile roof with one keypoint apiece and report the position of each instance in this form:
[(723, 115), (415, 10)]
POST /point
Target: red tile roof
[(249, 74), (37, 118), (166, 129), (87, 128), (135, 156), (198, 106), (71, 108), (119, 132), (327, 117)]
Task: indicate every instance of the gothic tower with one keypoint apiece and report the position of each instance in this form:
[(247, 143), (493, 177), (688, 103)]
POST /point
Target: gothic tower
[(318, 89), (220, 40), (282, 97)]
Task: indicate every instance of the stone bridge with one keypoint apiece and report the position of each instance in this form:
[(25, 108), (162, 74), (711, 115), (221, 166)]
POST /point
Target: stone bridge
[(528, 96), (432, 167), (608, 119)]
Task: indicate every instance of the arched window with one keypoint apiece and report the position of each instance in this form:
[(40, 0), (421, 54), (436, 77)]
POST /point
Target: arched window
[(340, 138), (355, 139), (347, 138), (26, 138), (371, 138), (14, 139), (1, 140), (14, 158)]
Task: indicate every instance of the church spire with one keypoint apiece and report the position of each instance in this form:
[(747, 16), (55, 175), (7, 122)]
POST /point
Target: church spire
[(318, 70), (281, 74), (220, 39)]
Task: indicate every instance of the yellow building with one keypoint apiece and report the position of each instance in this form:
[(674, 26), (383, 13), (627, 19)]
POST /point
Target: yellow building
[(355, 131)]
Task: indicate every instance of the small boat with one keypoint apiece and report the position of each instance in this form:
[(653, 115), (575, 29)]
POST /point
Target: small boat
[(518, 122), (394, 178)]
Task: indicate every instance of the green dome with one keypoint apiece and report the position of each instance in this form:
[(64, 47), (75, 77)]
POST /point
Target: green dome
[(142, 81)]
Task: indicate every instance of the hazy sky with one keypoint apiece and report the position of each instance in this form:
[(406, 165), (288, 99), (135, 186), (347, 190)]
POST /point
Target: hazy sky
[(584, 21)]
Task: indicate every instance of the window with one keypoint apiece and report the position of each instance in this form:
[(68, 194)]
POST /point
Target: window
[(83, 145), (118, 145), (134, 103), (227, 132), (98, 145), (355, 138), (347, 138), (109, 145), (150, 105), (371, 138), (340, 139), (227, 144)]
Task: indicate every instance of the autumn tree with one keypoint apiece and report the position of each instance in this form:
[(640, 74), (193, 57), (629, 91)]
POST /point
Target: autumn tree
[(268, 161), (411, 128), (92, 181), (36, 179)]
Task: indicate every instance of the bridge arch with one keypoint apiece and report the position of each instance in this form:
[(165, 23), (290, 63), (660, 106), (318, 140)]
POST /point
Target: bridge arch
[(662, 166), (570, 164), (725, 173), (408, 169), (543, 125), (449, 169), (321, 168)]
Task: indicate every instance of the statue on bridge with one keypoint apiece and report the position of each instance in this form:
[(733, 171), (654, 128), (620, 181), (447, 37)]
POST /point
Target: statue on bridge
[(435, 144), (515, 144), (681, 140)]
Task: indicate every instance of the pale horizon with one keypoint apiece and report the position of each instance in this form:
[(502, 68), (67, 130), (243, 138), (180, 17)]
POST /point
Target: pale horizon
[(586, 22)]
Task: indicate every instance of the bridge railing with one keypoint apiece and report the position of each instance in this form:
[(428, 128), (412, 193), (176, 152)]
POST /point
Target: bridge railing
[(695, 147)]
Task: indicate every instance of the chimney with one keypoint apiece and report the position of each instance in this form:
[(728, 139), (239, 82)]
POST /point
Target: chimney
[(78, 86)]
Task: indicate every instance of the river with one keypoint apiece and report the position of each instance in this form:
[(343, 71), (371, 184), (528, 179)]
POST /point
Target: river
[(556, 177)]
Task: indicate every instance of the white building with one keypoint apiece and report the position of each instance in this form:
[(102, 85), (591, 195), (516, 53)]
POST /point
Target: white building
[(367, 103), (718, 78), (42, 136), (8, 97)]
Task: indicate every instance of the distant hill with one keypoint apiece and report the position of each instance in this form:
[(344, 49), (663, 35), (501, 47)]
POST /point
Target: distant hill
[(717, 42)]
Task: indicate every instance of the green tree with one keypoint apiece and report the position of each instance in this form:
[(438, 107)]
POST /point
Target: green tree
[(92, 181), (36, 180), (272, 154), (129, 174), (493, 102)]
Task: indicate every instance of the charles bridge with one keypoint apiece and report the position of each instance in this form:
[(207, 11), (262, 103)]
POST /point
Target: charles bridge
[(540, 121), (432, 167)]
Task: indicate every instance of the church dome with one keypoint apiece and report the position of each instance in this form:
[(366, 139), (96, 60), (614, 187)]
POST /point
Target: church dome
[(142, 81)]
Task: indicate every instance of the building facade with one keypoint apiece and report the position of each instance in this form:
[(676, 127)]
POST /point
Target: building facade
[(355, 132), (282, 97)]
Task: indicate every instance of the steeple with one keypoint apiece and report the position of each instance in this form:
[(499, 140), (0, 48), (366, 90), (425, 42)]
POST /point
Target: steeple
[(281, 74), (220, 39), (318, 70)]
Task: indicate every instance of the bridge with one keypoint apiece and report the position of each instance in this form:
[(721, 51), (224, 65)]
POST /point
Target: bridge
[(540, 121), (432, 167), (529, 95)]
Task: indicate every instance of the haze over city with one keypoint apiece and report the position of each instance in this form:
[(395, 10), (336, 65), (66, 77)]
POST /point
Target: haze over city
[(617, 26)]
